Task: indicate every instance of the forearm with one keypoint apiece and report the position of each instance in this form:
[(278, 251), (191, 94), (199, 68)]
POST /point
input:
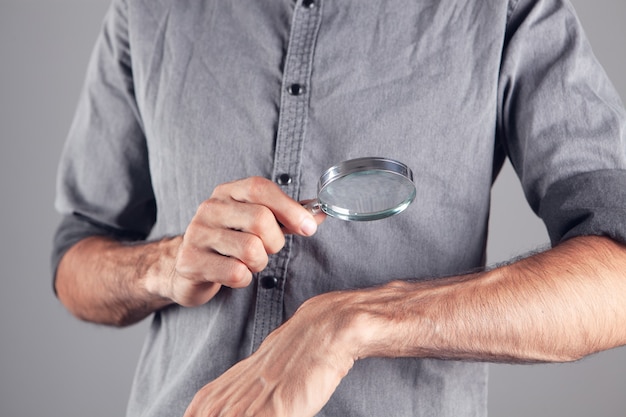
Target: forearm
[(107, 282), (555, 306), (228, 240)]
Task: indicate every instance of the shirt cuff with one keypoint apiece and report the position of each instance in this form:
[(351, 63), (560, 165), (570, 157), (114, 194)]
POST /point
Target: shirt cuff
[(590, 203)]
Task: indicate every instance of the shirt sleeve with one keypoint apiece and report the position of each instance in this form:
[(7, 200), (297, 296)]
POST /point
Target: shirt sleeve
[(562, 123), (103, 184)]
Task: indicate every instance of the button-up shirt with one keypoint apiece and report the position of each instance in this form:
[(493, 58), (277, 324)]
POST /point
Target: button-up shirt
[(181, 96)]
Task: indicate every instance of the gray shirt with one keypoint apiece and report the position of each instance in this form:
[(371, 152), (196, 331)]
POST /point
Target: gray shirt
[(181, 96)]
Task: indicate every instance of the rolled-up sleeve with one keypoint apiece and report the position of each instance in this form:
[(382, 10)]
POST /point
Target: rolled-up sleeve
[(103, 184), (562, 123)]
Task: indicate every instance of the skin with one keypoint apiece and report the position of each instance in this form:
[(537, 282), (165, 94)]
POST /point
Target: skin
[(229, 238), (556, 306)]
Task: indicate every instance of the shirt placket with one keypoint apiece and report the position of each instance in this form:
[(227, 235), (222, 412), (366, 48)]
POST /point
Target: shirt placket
[(296, 89)]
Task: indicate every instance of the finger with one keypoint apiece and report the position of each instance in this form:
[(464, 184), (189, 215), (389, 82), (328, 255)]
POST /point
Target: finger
[(288, 212), (194, 295), (199, 267), (245, 247), (318, 214), (255, 219)]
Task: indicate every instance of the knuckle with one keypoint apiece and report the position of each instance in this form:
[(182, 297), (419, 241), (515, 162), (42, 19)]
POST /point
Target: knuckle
[(221, 189), (266, 226), (253, 253), (263, 218), (209, 215), (239, 275), (257, 187), (208, 206), (276, 244)]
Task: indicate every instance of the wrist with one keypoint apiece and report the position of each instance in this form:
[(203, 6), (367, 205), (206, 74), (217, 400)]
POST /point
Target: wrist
[(361, 322), (393, 320), (158, 269)]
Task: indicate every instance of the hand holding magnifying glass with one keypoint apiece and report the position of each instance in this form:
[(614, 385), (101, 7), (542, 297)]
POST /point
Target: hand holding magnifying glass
[(364, 189)]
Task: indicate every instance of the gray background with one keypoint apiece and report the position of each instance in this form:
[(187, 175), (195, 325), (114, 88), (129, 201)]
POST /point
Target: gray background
[(54, 365)]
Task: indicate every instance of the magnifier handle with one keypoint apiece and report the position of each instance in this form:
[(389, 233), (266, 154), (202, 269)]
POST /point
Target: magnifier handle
[(313, 206)]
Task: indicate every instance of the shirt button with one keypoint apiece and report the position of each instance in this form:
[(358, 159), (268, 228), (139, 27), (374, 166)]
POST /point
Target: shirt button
[(296, 89), (284, 179), (309, 4), (269, 282)]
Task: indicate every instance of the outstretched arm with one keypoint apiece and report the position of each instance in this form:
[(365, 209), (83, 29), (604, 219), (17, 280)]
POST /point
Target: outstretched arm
[(556, 306), (559, 305)]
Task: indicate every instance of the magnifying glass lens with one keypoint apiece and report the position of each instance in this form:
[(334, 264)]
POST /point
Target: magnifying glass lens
[(368, 194)]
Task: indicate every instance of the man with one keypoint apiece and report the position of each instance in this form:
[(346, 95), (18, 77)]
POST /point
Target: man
[(201, 127)]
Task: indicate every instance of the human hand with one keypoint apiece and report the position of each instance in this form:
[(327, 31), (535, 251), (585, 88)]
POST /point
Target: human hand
[(230, 238), (292, 374)]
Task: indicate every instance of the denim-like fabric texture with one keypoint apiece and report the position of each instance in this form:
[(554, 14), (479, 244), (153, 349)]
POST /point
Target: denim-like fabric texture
[(181, 96)]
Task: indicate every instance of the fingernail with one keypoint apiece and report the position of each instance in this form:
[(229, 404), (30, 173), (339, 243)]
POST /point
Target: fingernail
[(308, 226)]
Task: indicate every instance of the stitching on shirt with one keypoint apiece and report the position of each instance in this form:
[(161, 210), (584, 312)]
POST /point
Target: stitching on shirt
[(300, 54), (290, 142), (304, 72)]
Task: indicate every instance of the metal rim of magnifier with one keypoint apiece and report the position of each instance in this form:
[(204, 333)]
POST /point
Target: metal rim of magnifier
[(359, 165)]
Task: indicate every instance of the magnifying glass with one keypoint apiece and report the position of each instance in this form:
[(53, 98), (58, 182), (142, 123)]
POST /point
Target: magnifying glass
[(364, 189)]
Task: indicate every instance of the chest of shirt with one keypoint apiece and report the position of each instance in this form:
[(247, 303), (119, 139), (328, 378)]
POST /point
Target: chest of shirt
[(411, 80)]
